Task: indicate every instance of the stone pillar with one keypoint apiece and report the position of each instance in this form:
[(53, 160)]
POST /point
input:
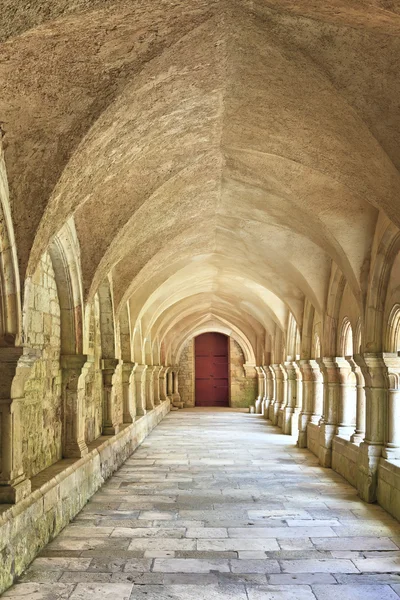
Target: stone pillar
[(271, 412), (129, 410), (156, 384), (73, 427), (176, 397), (298, 404), (14, 372), (170, 383), (139, 375), (306, 368), (328, 428), (283, 397), (260, 397), (347, 407), (149, 377), (291, 395), (391, 450), (359, 433), (163, 383), (110, 420), (370, 452), (268, 391)]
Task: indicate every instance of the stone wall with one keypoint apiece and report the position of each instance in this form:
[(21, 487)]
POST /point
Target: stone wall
[(243, 384), (41, 409), (186, 374), (60, 493)]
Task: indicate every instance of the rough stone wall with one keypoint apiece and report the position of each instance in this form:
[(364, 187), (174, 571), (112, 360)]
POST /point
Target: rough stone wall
[(41, 412), (186, 374), (243, 386), (90, 383)]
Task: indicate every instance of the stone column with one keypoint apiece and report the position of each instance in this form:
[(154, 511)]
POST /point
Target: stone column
[(170, 383), (291, 394), (110, 419), (14, 372), (260, 397), (298, 404), (306, 410), (328, 428), (268, 391), (391, 450), (359, 432), (370, 452), (139, 375), (176, 397), (156, 384), (163, 383), (347, 407), (129, 411), (273, 401), (149, 376), (283, 400), (73, 427)]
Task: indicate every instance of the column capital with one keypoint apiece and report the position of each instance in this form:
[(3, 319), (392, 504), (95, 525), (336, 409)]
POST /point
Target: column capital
[(109, 364), (138, 370), (73, 361)]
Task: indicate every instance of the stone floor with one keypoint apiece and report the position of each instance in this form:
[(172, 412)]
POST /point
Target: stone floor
[(218, 505)]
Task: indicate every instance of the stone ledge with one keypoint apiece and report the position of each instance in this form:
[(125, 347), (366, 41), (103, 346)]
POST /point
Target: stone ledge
[(61, 491)]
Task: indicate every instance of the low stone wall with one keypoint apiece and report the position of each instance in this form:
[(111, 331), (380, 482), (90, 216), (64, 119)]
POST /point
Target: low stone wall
[(313, 438), (345, 458), (389, 487), (60, 492)]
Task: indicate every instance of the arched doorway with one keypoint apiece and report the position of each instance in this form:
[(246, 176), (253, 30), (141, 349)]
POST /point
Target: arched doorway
[(212, 369)]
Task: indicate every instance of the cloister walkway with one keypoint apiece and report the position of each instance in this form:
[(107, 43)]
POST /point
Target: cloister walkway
[(218, 505)]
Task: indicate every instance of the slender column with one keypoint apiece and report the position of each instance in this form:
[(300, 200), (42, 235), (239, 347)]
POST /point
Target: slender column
[(392, 446), (170, 383), (149, 376), (328, 426), (163, 383), (260, 382), (306, 411), (291, 394), (14, 372), (347, 399), (73, 434), (375, 374), (156, 384), (176, 397), (110, 420), (129, 411), (139, 375), (359, 432), (268, 393), (283, 400), (274, 396), (298, 401)]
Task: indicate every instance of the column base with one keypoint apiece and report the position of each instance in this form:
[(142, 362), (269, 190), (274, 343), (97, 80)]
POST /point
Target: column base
[(111, 429), (367, 476), (258, 405), (15, 492), (357, 438), (303, 421), (128, 419), (75, 450), (140, 412), (345, 431), (391, 453)]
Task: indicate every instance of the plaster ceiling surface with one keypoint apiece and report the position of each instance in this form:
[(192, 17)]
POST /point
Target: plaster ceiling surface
[(216, 156)]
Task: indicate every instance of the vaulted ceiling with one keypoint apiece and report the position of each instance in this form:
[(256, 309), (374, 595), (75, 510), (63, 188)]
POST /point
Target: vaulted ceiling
[(216, 156)]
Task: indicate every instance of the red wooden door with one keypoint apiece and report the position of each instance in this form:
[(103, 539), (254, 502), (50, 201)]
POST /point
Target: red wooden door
[(211, 370)]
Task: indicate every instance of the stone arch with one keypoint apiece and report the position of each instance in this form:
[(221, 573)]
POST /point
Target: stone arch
[(64, 254), (107, 326), (392, 333), (336, 289), (10, 292), (345, 342)]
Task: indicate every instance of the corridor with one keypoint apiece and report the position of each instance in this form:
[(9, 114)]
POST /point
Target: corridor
[(216, 504)]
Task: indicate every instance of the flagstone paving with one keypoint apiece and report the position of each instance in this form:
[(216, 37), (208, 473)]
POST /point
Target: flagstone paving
[(219, 505)]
